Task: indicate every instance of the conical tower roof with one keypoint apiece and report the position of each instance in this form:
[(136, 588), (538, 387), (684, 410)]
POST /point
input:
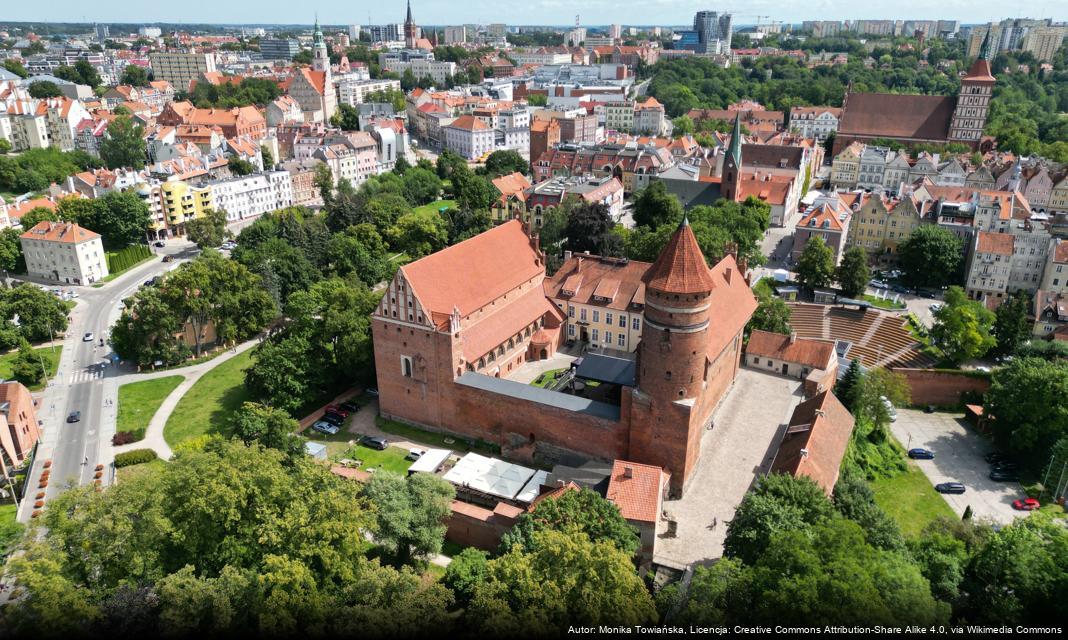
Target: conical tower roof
[(980, 69), (735, 148), (681, 267)]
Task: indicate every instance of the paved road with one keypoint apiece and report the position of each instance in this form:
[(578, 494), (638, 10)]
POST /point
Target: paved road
[(83, 383), (959, 457)]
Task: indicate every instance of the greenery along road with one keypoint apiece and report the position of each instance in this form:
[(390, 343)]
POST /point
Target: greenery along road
[(50, 358), (139, 401), (211, 402)]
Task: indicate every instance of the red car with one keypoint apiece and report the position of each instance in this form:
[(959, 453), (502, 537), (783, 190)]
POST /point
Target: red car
[(336, 410), (1027, 504)]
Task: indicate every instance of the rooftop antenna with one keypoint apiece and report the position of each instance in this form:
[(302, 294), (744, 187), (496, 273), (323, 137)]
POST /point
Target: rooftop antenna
[(577, 23)]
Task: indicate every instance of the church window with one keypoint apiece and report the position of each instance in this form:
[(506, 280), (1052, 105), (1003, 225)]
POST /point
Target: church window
[(406, 366)]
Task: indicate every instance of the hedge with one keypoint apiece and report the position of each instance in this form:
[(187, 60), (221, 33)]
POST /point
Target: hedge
[(137, 456), (119, 261)]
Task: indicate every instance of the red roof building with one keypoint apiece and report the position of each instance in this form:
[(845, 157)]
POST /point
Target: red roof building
[(815, 441)]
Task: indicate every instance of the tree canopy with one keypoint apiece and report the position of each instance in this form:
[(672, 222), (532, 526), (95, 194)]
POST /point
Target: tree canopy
[(962, 328), (931, 256)]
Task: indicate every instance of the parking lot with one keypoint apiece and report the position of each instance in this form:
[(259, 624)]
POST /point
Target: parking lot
[(749, 424), (959, 457)]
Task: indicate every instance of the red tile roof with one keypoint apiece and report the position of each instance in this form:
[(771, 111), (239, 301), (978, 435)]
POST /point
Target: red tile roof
[(637, 490), (503, 324), (809, 352), (470, 123), (998, 243), (475, 272), (897, 116), (681, 267), (815, 441), (66, 232), (513, 184), (584, 277), (732, 304)]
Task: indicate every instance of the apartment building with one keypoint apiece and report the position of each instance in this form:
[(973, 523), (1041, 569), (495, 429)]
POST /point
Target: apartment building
[(244, 197), (183, 202), (180, 68), (603, 299), (469, 137), (64, 252), (815, 122), (352, 91), (352, 157), (989, 266), (19, 430)]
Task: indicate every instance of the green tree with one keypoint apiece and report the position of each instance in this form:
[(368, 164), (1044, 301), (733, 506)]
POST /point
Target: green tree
[(44, 89), (347, 118), (87, 74), (575, 512), (1026, 402), (852, 273), (273, 428), (419, 233), (962, 328), (36, 215), (27, 367), (848, 388), (503, 162), (654, 207), (815, 267), (683, 126), (411, 513), (134, 75), (15, 67), (931, 256), (239, 166), (11, 258), (421, 186), (779, 503), (567, 580), (771, 314), (208, 231), (473, 192), (1011, 325), (120, 217), (359, 251), (590, 228), (467, 570), (268, 157), (38, 314), (124, 144), (5, 147)]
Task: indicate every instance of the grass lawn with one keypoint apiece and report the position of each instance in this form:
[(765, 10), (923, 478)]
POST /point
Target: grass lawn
[(51, 361), (437, 440), (392, 459), (138, 402), (882, 303), (545, 378), (207, 407), (10, 530), (911, 500), (134, 472), (436, 205)]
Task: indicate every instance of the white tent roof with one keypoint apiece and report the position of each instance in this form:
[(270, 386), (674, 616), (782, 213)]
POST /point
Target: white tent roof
[(430, 460), (490, 475), (533, 488)]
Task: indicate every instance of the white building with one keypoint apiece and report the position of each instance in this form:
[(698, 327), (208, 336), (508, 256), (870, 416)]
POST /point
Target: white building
[(815, 122), (353, 157), (64, 252), (252, 195), (469, 137), (513, 130), (352, 92)]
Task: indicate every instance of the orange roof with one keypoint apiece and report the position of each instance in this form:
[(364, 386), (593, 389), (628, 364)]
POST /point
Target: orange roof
[(681, 267), (767, 188), (474, 272), (317, 79), (483, 337), (16, 211), (809, 352), (816, 440), (584, 277), (512, 184), (732, 302), (470, 123), (1060, 251), (67, 232), (999, 243), (636, 489), (822, 217)]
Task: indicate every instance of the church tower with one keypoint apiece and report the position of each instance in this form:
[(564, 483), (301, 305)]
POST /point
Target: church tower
[(673, 362), (730, 184), (973, 101), (410, 30)]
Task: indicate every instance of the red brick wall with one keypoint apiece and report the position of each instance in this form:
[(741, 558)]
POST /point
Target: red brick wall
[(941, 387), (477, 527)]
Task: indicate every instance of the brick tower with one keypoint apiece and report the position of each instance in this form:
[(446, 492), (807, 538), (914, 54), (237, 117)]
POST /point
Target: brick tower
[(667, 411), (973, 101), (411, 33), (730, 183)]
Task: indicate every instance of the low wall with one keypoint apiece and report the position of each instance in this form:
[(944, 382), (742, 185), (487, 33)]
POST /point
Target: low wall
[(473, 526), (942, 387)]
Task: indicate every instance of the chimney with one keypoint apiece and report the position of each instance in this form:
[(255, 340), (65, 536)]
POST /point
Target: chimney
[(793, 337), (804, 453), (567, 255), (628, 472), (727, 274)]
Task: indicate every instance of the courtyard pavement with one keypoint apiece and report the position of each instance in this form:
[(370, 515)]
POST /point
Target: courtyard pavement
[(749, 424), (959, 457)]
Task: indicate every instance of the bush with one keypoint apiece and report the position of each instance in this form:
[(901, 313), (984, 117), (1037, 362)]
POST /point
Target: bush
[(122, 437), (137, 456), (119, 261)]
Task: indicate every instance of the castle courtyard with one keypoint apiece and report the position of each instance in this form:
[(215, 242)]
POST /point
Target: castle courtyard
[(749, 424)]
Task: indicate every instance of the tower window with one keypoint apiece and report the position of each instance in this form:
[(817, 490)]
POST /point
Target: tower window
[(406, 366)]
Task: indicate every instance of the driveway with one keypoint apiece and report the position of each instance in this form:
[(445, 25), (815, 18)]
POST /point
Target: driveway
[(959, 457), (748, 427)]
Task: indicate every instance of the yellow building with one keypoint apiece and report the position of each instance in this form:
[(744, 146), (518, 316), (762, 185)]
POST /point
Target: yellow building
[(881, 225), (183, 202), (845, 168)]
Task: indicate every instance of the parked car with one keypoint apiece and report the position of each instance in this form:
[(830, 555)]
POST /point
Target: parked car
[(936, 307), (325, 427), (900, 288), (414, 454), (75, 416), (374, 442), (929, 409), (88, 337), (333, 408), (350, 406), (878, 284), (994, 457), (949, 487), (1026, 504), (168, 258), (372, 391), (1006, 465), (921, 454), (999, 475), (160, 243), (332, 418)]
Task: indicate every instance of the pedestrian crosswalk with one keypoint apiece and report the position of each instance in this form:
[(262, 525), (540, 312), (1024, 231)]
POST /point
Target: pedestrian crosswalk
[(86, 375)]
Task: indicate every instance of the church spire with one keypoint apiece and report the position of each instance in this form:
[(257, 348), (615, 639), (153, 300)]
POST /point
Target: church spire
[(984, 50), (735, 149)]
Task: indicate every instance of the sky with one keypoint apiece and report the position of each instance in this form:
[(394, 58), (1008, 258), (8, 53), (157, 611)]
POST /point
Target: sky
[(518, 12)]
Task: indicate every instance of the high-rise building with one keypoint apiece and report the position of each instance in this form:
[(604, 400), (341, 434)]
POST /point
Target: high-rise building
[(180, 68), (101, 33), (1044, 42), (711, 33), (455, 35), (279, 49), (385, 32), (615, 32), (354, 32)]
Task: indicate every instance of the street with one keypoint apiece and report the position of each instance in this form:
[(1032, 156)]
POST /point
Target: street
[(80, 382)]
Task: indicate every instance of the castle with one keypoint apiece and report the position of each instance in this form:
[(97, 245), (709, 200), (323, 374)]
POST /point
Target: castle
[(454, 326)]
